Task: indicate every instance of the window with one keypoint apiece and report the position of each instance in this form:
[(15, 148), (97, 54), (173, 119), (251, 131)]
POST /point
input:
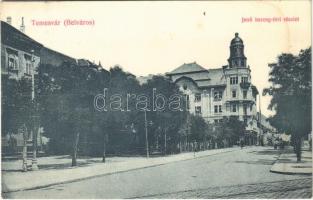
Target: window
[(197, 97), (12, 62), (218, 95), (251, 107), (12, 59), (28, 62), (234, 108), (245, 94), (198, 110), (218, 109), (215, 121), (245, 109), (234, 93), (187, 101), (244, 79), (28, 67), (215, 109), (234, 80)]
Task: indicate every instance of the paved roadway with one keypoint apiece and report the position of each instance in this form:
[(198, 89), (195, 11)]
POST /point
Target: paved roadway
[(238, 174)]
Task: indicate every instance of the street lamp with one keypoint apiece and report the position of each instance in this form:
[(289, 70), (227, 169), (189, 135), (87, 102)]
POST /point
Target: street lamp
[(23, 130), (34, 160), (146, 130)]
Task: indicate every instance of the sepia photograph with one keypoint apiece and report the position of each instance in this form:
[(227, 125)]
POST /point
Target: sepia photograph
[(156, 100)]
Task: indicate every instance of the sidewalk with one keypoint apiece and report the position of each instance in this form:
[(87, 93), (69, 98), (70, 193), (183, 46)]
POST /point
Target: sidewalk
[(287, 163), (57, 169)]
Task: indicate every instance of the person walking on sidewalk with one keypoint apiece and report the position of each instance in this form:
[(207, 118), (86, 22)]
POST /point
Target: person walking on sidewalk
[(194, 148), (241, 143)]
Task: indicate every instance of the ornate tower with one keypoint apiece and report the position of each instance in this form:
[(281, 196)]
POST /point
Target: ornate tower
[(237, 57)]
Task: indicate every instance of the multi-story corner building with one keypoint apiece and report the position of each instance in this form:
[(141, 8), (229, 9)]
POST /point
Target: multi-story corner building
[(221, 92), (20, 57)]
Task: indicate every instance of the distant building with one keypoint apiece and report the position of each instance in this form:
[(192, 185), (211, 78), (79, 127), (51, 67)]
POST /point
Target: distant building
[(221, 92)]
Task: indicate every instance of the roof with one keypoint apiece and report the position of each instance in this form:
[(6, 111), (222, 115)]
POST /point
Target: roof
[(236, 40), (5, 25), (14, 38), (201, 76), (188, 68), (216, 77)]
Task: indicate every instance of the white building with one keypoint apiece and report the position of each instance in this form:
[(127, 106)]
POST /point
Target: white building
[(220, 92)]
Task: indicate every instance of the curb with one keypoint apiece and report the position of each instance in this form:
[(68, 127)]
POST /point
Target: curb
[(287, 172), (291, 173), (107, 174)]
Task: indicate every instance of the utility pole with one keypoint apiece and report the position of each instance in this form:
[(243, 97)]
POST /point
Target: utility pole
[(34, 121), (146, 128)]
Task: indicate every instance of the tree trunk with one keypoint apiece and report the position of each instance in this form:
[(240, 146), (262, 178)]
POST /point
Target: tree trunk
[(35, 146), (298, 148), (24, 154), (104, 149), (164, 142), (180, 147), (75, 147)]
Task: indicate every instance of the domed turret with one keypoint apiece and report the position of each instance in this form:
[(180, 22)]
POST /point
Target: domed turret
[(237, 57)]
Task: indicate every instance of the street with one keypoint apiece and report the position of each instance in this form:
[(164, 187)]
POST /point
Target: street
[(243, 173)]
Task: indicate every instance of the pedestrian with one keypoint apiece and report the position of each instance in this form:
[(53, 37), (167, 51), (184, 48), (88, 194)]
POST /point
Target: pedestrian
[(194, 148), (241, 143)]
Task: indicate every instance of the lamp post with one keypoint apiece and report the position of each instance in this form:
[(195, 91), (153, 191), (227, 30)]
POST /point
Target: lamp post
[(34, 121), (23, 130), (146, 130)]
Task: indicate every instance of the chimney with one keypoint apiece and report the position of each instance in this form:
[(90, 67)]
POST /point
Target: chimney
[(9, 20), (22, 27)]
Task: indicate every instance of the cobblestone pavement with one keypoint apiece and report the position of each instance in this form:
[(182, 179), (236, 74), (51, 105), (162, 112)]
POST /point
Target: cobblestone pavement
[(300, 188), (239, 174)]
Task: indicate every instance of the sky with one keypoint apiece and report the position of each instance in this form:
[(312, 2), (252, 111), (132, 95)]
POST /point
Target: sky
[(157, 37)]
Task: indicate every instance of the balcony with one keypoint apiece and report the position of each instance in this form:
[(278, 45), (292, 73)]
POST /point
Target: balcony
[(245, 85)]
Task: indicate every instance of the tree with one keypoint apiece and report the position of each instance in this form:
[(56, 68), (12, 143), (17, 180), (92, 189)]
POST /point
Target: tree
[(166, 121), (229, 130), (66, 104), (198, 128), (291, 86), (16, 104)]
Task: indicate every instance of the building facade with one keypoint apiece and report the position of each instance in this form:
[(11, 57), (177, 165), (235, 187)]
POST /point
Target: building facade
[(221, 92), (20, 57)]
